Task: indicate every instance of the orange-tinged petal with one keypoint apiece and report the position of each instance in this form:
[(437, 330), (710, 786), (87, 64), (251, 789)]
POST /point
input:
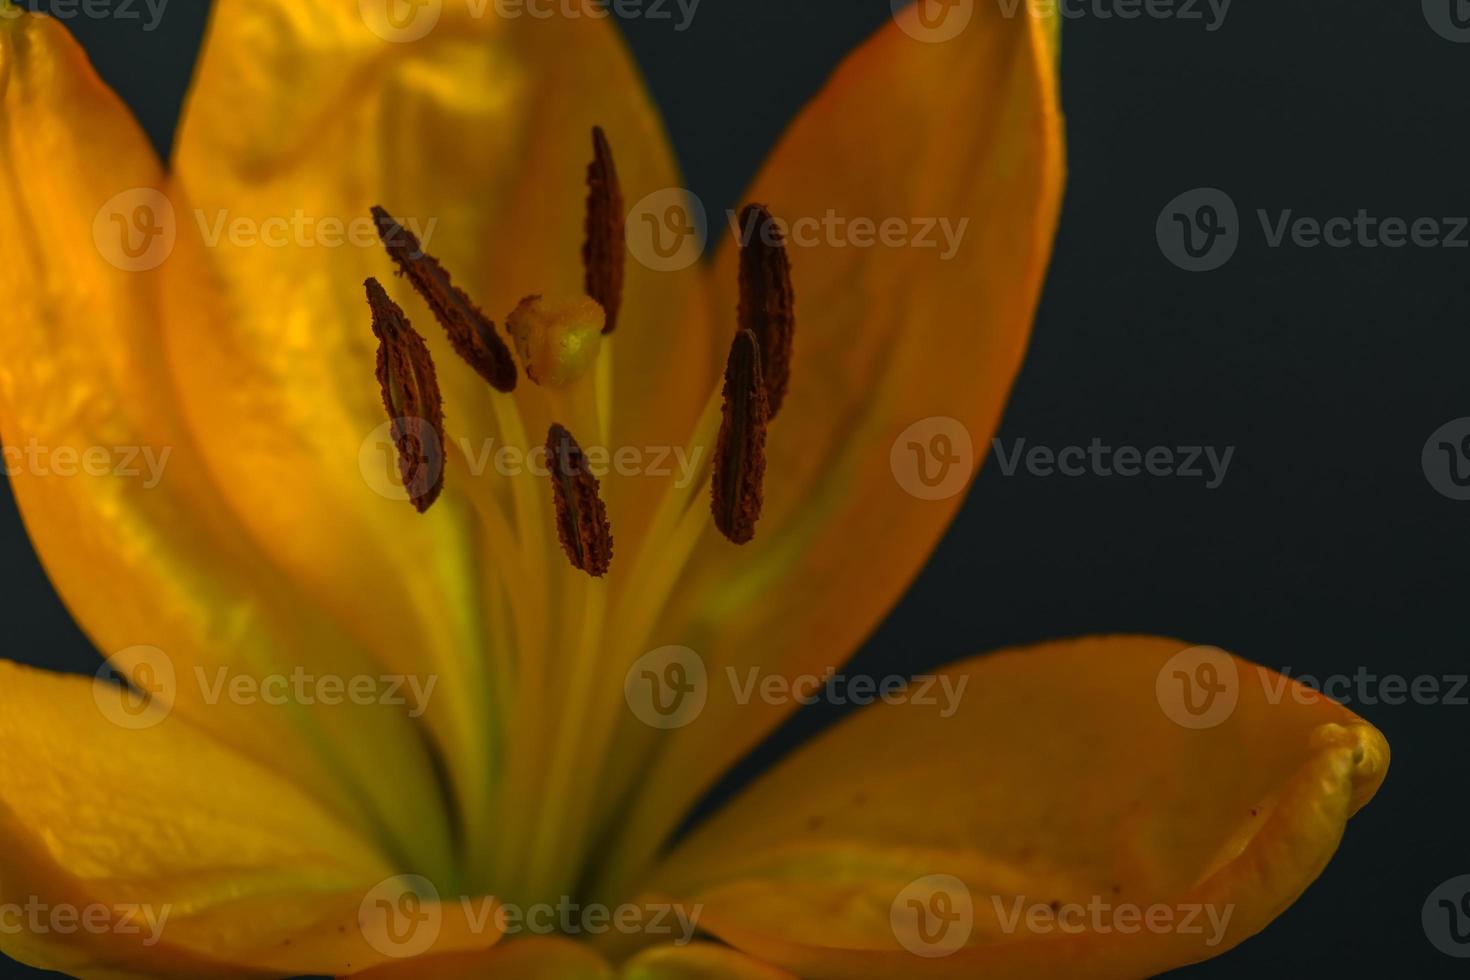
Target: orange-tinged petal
[(698, 961), (186, 857), (1074, 776), (112, 486), (904, 356), (476, 133), (534, 958)]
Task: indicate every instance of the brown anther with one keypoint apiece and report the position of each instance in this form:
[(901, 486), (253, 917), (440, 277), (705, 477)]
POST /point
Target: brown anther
[(581, 516), (767, 301), (604, 251), (411, 396), (740, 453), (471, 333)]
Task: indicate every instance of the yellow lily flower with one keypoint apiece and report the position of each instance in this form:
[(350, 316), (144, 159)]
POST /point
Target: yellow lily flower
[(200, 835)]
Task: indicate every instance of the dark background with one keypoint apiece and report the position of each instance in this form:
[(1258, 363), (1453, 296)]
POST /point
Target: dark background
[(1325, 551)]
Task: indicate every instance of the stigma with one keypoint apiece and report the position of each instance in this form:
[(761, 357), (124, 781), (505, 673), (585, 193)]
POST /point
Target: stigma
[(558, 341)]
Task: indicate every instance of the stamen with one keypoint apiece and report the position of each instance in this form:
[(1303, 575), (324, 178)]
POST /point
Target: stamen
[(411, 396), (767, 301), (581, 516), (740, 452), (604, 250), (471, 333)]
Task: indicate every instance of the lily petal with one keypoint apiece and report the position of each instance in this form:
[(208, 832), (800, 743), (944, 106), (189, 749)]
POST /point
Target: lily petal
[(533, 958), (479, 131), (903, 360), (159, 852), (698, 961), (111, 484), (559, 958), (1072, 776)]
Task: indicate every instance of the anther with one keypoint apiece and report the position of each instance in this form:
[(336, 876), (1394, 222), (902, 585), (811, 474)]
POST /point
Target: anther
[(740, 453), (471, 333), (604, 250), (767, 301), (581, 516), (411, 397)]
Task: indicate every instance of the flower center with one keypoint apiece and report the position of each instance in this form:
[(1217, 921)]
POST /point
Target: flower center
[(557, 646), (559, 343)]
